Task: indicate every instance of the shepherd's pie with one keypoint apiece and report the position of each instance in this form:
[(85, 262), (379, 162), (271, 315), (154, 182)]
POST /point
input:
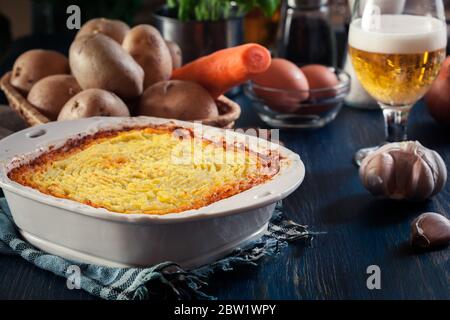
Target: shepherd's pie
[(151, 170)]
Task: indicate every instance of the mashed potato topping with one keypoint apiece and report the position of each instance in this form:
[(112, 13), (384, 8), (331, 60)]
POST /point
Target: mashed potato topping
[(144, 170)]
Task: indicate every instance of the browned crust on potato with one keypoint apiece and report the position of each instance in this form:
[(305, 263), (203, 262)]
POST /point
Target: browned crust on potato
[(74, 145)]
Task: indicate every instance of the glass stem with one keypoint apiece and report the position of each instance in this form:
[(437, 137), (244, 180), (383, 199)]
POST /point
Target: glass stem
[(395, 119)]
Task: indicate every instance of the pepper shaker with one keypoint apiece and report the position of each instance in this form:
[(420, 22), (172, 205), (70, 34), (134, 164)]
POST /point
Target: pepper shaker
[(305, 35)]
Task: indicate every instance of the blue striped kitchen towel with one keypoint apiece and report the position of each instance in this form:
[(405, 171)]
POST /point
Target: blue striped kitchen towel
[(163, 281)]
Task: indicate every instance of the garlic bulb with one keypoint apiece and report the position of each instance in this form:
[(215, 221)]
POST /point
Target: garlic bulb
[(404, 171)]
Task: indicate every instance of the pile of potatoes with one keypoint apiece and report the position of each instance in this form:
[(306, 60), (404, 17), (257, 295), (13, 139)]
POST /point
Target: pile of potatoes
[(112, 70)]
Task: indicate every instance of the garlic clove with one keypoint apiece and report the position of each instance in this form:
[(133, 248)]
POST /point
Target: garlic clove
[(377, 172), (439, 169), (420, 189), (402, 179), (430, 230)]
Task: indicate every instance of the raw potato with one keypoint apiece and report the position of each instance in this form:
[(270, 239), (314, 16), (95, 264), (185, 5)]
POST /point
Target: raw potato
[(114, 29), (99, 62), (176, 54), (178, 99), (33, 65), (149, 49), (50, 94), (91, 103)]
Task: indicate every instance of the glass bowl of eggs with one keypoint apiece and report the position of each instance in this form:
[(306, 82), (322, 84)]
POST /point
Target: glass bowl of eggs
[(286, 96)]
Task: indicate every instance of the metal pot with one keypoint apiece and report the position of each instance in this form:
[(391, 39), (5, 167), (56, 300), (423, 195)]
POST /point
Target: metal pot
[(199, 38)]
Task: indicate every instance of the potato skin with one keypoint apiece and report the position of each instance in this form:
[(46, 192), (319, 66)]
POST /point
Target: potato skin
[(99, 62), (182, 100), (34, 65), (115, 29), (175, 53), (91, 103), (50, 94), (148, 48)]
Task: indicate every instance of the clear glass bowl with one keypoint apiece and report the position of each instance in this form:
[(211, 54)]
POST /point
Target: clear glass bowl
[(288, 108)]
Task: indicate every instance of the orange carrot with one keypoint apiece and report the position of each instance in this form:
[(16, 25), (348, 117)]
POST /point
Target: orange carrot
[(224, 69)]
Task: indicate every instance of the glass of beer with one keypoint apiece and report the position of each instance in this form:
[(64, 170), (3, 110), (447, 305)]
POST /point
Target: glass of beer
[(397, 48)]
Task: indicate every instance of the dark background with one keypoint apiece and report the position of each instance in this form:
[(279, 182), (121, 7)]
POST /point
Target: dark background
[(360, 230), (20, 18)]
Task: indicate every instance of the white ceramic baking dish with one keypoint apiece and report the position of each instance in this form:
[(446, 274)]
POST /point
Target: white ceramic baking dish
[(87, 234)]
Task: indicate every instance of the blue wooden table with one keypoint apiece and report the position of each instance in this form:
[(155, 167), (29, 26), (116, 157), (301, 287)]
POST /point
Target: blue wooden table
[(360, 230)]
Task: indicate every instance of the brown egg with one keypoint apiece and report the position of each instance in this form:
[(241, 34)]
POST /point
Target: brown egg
[(288, 86), (319, 78)]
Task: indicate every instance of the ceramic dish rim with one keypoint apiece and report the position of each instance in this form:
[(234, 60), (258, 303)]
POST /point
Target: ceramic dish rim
[(287, 180)]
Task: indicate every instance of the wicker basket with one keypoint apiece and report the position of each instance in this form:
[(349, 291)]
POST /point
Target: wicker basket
[(229, 111)]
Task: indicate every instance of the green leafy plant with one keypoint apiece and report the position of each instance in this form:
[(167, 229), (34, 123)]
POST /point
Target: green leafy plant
[(213, 10)]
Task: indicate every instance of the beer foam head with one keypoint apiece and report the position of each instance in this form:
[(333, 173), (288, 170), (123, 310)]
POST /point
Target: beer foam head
[(398, 34)]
